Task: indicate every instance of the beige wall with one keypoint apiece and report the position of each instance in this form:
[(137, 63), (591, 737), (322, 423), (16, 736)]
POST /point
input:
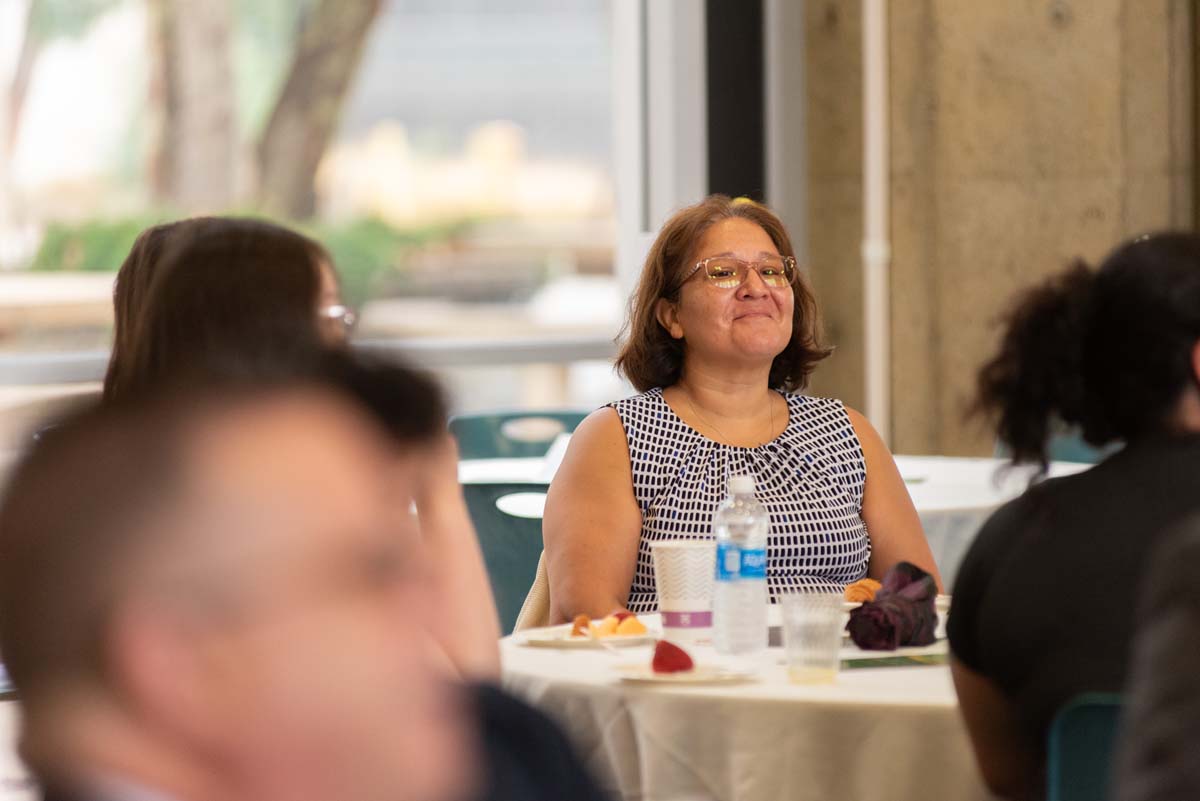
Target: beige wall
[(1023, 134)]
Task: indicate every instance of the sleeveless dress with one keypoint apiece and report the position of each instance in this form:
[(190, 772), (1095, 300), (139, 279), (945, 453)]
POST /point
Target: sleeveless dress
[(810, 478)]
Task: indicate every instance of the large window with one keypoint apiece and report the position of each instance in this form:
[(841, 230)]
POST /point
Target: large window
[(455, 156)]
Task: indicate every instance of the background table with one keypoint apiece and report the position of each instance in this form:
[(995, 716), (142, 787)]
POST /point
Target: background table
[(953, 495), (879, 733)]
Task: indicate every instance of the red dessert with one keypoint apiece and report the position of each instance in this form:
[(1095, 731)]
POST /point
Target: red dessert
[(670, 658)]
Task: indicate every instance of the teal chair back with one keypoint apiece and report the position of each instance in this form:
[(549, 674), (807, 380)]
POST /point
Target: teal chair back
[(1068, 446), (511, 546), (511, 434), (1080, 747)]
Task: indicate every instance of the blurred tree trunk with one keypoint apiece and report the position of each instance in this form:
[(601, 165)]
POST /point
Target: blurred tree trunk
[(194, 144), (31, 44), (328, 51), (45, 20)]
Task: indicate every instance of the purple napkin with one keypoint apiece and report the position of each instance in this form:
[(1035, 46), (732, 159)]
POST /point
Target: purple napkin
[(902, 613)]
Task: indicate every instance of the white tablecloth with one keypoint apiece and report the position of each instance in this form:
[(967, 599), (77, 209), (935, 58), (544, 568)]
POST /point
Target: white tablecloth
[(879, 733), (953, 495)]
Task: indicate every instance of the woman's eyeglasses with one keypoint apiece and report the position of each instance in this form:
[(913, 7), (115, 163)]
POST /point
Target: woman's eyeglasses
[(339, 314), (727, 272)]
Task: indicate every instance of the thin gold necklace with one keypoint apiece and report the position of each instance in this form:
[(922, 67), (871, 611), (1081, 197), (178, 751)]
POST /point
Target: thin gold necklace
[(687, 395)]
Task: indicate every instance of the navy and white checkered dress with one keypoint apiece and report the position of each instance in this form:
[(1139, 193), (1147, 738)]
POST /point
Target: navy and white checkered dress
[(810, 478)]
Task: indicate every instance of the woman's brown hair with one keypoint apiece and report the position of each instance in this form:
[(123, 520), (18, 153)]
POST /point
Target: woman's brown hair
[(650, 357), (229, 297), (130, 289)]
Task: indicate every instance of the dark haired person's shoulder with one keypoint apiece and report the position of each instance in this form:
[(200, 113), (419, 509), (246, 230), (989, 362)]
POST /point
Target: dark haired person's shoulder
[(526, 755), (1036, 499), (1163, 452)]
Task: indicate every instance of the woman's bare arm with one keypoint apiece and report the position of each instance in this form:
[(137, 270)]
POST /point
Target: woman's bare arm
[(888, 511), (592, 523), (1001, 750), (456, 563)]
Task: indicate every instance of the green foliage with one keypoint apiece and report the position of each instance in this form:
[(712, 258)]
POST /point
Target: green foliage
[(50, 19), (368, 250), (92, 246), (365, 250)]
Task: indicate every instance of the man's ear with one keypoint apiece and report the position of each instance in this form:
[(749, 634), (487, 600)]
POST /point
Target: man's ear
[(668, 317), (1196, 362), (157, 667)]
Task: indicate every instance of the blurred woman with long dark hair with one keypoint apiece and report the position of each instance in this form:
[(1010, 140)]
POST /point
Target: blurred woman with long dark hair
[(235, 298)]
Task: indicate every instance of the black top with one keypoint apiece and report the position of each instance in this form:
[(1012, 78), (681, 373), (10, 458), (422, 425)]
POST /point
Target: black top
[(1044, 600), (526, 755)]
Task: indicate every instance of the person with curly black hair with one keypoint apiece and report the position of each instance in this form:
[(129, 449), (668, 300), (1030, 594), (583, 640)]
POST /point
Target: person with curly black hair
[(1044, 600)]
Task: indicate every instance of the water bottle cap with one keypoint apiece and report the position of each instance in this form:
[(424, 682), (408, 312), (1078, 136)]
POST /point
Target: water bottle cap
[(741, 485)]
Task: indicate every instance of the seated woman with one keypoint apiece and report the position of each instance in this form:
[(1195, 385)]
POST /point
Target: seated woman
[(239, 298), (1044, 600), (722, 330)]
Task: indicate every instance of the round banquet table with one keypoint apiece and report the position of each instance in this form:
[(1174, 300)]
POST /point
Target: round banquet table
[(878, 733), (953, 495)]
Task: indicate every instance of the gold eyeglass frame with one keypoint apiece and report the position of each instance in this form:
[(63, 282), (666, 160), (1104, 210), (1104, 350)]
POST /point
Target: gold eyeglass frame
[(789, 267)]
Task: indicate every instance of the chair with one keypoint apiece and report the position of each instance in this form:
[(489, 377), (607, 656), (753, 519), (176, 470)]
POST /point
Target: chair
[(512, 434), (1068, 446), (511, 547), (1080, 748), (535, 612)]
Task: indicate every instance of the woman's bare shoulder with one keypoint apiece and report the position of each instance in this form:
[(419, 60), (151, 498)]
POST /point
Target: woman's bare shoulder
[(862, 427), (600, 434)]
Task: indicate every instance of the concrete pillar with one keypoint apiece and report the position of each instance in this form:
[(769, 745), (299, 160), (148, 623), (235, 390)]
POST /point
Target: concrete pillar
[(1024, 134), (834, 135)]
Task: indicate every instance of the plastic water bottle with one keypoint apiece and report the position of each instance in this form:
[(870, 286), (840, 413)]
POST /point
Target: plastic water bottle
[(740, 591)]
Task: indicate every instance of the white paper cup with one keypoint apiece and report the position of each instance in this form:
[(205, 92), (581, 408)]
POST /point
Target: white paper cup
[(683, 573), (812, 636)]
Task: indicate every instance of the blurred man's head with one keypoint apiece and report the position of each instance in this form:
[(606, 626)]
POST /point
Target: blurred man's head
[(213, 598)]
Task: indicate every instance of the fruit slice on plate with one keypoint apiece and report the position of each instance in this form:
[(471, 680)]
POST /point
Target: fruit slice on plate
[(670, 658), (580, 626)]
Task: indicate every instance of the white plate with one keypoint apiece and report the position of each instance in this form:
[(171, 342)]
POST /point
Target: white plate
[(560, 637), (642, 673), (941, 604)]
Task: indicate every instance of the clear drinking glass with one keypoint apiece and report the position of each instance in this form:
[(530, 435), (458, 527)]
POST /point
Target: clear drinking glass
[(812, 636)]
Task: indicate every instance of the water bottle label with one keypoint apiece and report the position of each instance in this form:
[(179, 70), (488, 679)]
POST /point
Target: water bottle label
[(729, 561), (754, 563)]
